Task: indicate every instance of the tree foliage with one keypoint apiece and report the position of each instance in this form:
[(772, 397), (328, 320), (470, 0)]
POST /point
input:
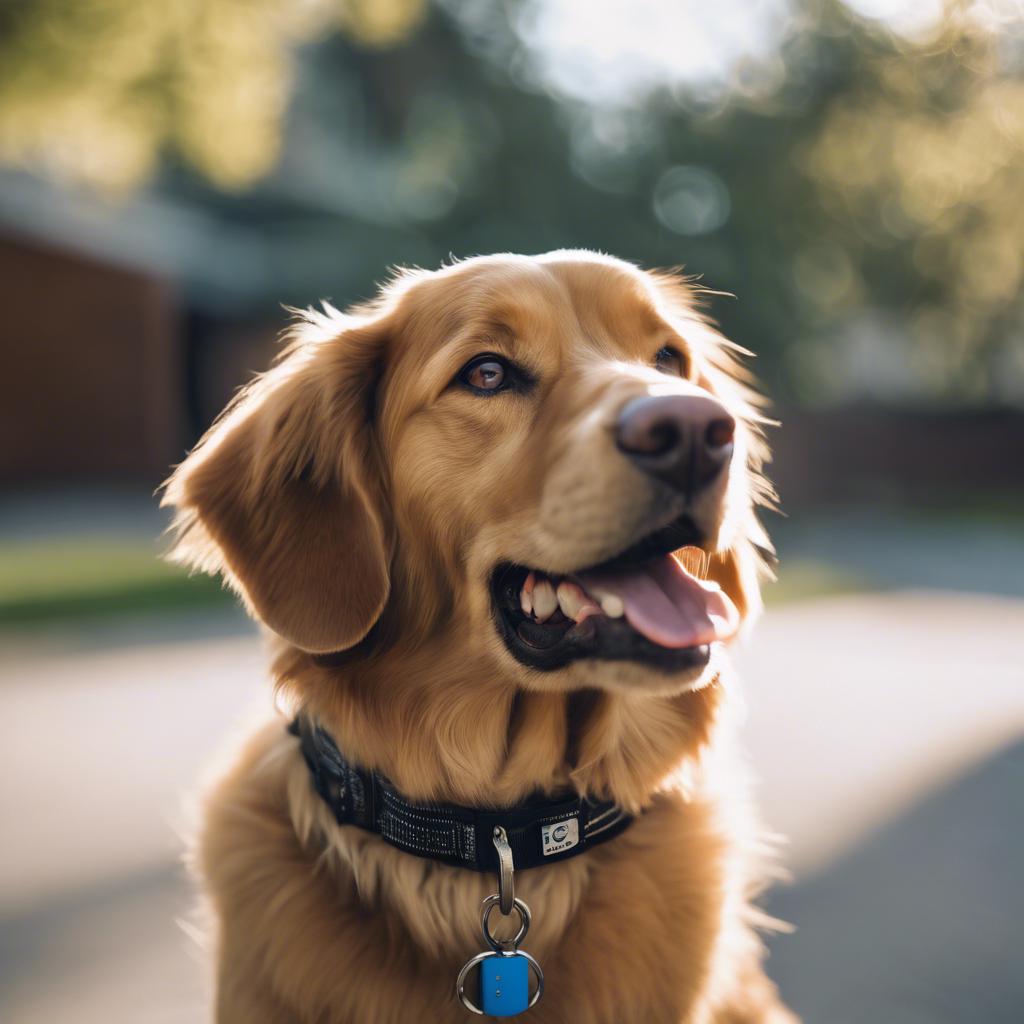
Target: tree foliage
[(96, 91), (864, 204)]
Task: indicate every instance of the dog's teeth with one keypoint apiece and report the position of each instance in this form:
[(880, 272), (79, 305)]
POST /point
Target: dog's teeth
[(570, 599), (526, 594), (611, 603), (575, 602), (544, 600)]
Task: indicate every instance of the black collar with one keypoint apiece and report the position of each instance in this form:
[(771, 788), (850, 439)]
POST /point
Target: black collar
[(540, 831)]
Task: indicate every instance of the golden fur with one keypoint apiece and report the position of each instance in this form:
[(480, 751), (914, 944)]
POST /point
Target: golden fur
[(358, 503)]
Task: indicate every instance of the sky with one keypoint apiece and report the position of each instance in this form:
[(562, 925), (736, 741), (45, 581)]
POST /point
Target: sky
[(614, 54)]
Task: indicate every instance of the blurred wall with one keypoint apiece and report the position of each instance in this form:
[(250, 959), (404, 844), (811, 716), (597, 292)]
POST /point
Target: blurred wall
[(92, 361), (869, 452)]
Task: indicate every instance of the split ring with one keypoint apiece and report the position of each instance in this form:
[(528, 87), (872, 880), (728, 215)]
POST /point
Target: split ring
[(460, 984), (504, 945)]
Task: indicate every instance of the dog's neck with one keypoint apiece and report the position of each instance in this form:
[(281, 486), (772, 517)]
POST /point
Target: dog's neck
[(457, 730)]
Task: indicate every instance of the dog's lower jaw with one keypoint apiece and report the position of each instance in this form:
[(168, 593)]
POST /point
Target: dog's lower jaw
[(636, 681)]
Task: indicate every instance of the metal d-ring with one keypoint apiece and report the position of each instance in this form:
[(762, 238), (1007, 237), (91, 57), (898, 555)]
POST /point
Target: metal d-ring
[(504, 945), (460, 984), (506, 870)]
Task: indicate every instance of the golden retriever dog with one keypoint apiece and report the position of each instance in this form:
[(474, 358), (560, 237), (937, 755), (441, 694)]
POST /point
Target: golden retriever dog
[(499, 526)]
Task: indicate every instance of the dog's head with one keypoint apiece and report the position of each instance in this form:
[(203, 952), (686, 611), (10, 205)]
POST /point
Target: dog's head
[(502, 456)]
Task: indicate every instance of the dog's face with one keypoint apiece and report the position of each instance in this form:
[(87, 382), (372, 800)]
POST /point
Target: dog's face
[(506, 453)]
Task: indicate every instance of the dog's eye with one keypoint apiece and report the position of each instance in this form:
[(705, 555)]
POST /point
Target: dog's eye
[(668, 360), (485, 373)]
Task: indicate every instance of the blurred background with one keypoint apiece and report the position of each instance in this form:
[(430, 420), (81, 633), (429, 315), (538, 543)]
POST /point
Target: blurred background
[(849, 174)]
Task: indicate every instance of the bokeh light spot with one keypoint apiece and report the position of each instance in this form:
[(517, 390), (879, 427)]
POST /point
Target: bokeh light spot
[(691, 200)]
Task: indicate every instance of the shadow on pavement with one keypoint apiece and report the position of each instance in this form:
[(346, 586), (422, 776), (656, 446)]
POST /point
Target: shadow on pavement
[(922, 923), (117, 952)]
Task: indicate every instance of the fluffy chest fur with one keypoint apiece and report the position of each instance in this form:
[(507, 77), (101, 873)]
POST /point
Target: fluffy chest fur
[(323, 923)]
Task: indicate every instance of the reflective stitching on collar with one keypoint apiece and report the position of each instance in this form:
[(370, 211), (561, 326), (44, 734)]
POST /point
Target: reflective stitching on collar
[(443, 832)]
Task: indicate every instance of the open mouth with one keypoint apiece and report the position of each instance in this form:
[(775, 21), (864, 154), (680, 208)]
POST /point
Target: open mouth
[(646, 604)]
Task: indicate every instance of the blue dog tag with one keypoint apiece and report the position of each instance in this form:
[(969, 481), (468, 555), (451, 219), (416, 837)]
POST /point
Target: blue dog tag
[(504, 975), (504, 984)]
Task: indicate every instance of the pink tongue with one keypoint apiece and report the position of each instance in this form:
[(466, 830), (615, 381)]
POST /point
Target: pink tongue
[(668, 605)]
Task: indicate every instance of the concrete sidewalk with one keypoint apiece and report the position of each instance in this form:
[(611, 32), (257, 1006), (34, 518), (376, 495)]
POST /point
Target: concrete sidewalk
[(860, 706), (920, 923)]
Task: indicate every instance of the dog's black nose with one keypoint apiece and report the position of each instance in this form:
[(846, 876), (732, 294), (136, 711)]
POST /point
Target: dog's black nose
[(684, 440)]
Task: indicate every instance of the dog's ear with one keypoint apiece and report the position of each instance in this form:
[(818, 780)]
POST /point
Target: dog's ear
[(284, 496), (741, 562)]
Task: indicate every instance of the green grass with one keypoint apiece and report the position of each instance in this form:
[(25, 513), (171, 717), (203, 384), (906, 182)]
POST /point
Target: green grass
[(992, 507), (94, 577), (801, 579)]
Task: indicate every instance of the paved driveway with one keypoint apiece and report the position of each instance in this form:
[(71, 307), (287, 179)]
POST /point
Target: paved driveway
[(863, 711)]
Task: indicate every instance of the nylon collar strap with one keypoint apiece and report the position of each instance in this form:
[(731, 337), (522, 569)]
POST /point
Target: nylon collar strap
[(540, 831)]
